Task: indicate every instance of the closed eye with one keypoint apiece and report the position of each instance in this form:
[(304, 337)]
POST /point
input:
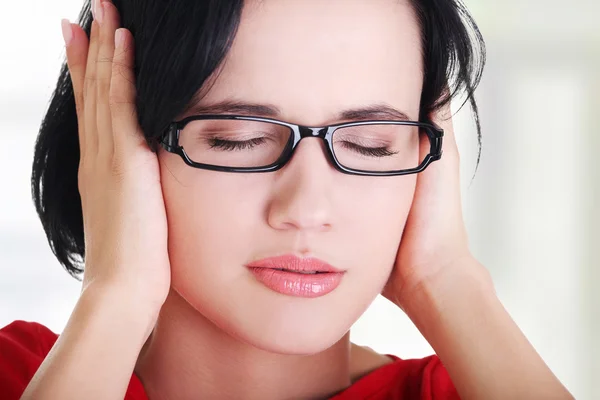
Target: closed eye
[(232, 145), (368, 151)]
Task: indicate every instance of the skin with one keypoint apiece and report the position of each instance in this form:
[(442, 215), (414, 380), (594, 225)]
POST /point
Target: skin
[(174, 303), (308, 208), (219, 222)]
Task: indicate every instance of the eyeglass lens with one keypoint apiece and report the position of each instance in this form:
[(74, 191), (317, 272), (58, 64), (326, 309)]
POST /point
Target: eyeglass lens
[(253, 144)]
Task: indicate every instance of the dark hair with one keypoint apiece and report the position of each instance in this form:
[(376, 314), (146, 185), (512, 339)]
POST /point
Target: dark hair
[(178, 46)]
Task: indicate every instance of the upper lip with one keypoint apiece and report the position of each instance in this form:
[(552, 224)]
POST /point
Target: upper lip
[(294, 263)]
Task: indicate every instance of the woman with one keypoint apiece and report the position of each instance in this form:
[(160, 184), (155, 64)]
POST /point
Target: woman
[(251, 175)]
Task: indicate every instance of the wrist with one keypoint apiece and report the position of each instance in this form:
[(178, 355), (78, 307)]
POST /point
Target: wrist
[(461, 317), (99, 346), (463, 278), (123, 304)]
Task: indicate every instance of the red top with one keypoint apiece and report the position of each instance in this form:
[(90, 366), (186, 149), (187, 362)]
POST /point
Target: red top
[(24, 345)]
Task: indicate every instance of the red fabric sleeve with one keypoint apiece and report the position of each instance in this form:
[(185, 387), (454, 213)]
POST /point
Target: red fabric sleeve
[(419, 379), (23, 347)]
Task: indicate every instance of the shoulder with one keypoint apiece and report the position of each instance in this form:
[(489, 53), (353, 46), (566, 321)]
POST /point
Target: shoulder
[(422, 378), (23, 347)]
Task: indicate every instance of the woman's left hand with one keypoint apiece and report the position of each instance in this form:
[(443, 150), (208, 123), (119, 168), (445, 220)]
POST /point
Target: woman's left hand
[(435, 237)]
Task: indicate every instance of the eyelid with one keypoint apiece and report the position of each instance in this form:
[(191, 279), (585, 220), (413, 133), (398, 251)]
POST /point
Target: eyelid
[(231, 145), (370, 150), (352, 134)]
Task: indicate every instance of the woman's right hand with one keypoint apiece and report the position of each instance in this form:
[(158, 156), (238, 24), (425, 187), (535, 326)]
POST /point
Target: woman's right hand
[(124, 217), (127, 272)]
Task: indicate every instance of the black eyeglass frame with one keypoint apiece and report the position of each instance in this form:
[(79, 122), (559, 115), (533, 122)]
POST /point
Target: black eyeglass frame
[(170, 142)]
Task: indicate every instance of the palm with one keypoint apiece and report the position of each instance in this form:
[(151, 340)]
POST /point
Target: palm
[(125, 224), (435, 233)]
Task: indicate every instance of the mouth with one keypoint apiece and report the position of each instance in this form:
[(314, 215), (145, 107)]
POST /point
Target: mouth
[(301, 272), (295, 276)]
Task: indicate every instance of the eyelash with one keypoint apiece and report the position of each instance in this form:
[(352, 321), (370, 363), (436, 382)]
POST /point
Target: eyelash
[(369, 151), (230, 145)]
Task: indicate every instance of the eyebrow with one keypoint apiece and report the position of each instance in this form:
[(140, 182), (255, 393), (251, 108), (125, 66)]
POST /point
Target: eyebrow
[(371, 112)]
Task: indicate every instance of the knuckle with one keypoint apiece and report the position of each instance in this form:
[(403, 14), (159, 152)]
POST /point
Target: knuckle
[(103, 59), (122, 71), (91, 78), (123, 51), (118, 103)]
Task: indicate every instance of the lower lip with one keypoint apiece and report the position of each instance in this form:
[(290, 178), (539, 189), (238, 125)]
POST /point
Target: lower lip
[(298, 285)]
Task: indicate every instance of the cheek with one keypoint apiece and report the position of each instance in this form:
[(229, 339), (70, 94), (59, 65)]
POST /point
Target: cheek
[(379, 226), (381, 210), (216, 223), (378, 223), (211, 219), (209, 213)]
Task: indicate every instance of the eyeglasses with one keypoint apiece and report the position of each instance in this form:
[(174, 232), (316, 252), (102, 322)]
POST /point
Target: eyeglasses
[(234, 143)]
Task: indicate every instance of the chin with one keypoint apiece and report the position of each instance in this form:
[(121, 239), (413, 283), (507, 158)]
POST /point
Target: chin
[(299, 342), (299, 328), (294, 326)]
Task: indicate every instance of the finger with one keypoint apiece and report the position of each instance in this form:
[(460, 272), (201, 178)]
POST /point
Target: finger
[(110, 22), (93, 8), (441, 179), (89, 93), (127, 134), (443, 119), (76, 43)]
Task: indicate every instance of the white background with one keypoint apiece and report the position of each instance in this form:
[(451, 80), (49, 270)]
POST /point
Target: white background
[(532, 210)]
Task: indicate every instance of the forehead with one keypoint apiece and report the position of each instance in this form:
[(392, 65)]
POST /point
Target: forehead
[(313, 58)]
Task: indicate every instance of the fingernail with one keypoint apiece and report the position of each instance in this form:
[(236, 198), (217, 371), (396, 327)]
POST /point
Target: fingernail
[(93, 8), (119, 37), (99, 11), (67, 31)]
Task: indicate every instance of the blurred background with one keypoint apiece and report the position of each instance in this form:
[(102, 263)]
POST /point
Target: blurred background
[(532, 210)]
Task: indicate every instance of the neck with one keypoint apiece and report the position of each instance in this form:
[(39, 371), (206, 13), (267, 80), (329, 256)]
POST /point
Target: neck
[(188, 357)]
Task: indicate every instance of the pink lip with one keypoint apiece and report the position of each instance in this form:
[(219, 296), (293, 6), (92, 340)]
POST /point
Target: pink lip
[(293, 283)]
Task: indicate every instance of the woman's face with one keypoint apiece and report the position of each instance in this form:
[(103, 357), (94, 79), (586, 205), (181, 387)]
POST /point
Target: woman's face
[(312, 60)]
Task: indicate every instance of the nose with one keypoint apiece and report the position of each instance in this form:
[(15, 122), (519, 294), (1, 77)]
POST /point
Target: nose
[(302, 196)]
